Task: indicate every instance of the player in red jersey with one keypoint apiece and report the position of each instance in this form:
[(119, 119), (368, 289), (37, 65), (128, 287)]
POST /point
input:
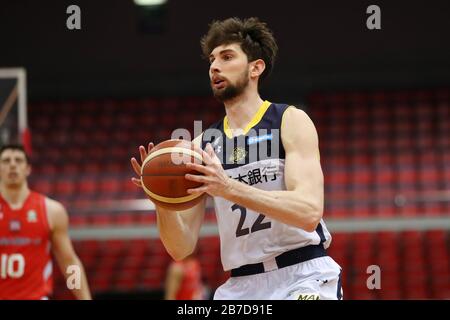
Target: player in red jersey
[(32, 227), (183, 280)]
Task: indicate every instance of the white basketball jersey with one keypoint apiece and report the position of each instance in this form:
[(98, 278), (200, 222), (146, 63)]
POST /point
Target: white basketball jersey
[(256, 158)]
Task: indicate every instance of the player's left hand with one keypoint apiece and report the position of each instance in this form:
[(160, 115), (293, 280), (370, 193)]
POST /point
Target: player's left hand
[(215, 181)]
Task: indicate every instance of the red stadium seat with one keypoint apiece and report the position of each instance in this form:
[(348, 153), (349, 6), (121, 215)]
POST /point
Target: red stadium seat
[(376, 147)]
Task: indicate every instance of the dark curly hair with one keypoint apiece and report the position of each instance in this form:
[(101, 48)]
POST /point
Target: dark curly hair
[(16, 147), (255, 39)]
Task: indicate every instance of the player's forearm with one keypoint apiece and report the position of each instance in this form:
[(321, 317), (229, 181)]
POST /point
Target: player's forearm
[(172, 286), (178, 231), (288, 207), (82, 291)]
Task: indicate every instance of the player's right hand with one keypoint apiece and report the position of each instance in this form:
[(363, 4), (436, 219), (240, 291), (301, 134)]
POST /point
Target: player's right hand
[(137, 166)]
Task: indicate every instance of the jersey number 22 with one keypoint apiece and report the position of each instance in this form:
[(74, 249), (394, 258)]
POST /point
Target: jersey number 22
[(257, 225)]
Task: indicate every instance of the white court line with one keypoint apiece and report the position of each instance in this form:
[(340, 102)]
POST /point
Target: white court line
[(210, 229)]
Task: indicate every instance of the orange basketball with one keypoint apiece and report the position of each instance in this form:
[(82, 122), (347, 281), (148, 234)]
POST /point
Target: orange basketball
[(163, 175)]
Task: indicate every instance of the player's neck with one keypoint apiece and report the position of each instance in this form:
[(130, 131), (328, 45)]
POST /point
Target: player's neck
[(15, 197), (241, 110)]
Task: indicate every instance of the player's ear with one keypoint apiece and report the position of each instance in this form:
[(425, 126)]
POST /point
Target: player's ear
[(28, 170), (257, 67)]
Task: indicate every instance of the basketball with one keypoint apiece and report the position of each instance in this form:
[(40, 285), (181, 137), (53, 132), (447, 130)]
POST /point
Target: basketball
[(163, 175)]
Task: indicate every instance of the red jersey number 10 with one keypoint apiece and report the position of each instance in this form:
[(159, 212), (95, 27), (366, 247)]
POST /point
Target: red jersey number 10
[(11, 266)]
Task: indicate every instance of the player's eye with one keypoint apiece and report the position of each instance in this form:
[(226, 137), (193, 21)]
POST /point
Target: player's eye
[(227, 57)]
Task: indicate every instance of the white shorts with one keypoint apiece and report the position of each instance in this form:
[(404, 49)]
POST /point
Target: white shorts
[(315, 279)]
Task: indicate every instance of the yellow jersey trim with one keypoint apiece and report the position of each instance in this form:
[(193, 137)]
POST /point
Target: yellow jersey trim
[(255, 120)]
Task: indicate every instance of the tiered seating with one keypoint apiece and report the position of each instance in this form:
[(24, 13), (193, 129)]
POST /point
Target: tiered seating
[(438, 260), (376, 146), (380, 153), (139, 265), (84, 148), (413, 264)]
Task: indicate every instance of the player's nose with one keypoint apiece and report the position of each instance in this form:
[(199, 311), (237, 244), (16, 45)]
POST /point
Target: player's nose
[(214, 67)]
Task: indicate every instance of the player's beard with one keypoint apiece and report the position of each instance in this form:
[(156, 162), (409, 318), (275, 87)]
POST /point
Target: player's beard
[(232, 91)]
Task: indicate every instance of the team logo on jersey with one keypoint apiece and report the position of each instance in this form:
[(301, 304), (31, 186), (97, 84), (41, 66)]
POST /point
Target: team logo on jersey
[(237, 155), (265, 137), (31, 216), (14, 225)]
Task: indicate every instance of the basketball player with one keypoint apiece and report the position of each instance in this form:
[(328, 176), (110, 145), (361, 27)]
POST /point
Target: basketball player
[(183, 280), (269, 205), (32, 227)]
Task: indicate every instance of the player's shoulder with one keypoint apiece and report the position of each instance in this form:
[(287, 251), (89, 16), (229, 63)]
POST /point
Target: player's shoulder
[(217, 125), (54, 207), (296, 116), (283, 110), (297, 129), (50, 204), (54, 204), (210, 131), (56, 213)]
